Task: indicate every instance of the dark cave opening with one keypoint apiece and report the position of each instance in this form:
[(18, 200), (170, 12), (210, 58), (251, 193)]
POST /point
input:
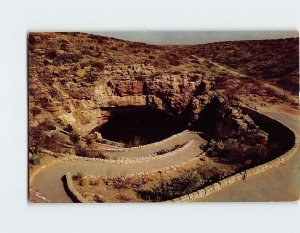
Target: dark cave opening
[(140, 125)]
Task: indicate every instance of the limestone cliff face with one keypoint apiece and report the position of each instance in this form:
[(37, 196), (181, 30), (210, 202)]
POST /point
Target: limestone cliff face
[(73, 75), (169, 93)]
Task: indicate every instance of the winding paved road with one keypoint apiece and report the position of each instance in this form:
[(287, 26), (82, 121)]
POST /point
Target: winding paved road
[(278, 184), (49, 181)]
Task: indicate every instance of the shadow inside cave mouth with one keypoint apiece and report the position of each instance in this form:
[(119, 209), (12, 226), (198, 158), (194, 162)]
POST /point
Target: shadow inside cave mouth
[(140, 125)]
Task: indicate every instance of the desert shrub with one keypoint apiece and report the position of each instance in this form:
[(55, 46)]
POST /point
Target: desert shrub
[(160, 63), (209, 64), (46, 62), (208, 174), (174, 62), (63, 46), (94, 182), (146, 62), (202, 72), (98, 39), (114, 48), (147, 51), (140, 182), (176, 72), (139, 78), (78, 176), (63, 81), (82, 150), (118, 182), (231, 150), (173, 59), (68, 128), (79, 150), (75, 137), (90, 78), (173, 188), (163, 151), (123, 198), (89, 140), (135, 51), (51, 53), (155, 74), (95, 154), (46, 126), (53, 92), (98, 65), (68, 58), (55, 146), (111, 60), (177, 146), (194, 77), (36, 110), (195, 61), (98, 198)]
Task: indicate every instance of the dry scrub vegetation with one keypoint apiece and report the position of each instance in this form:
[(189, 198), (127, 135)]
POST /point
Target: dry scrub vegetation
[(155, 186)]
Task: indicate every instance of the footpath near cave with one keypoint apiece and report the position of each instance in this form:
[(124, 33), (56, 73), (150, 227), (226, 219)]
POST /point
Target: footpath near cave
[(118, 121)]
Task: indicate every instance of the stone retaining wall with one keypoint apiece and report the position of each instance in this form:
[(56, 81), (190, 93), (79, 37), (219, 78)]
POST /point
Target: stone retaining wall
[(172, 167), (127, 149), (165, 169), (125, 160), (151, 144), (242, 175)]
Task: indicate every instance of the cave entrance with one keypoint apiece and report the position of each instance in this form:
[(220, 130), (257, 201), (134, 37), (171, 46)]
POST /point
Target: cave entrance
[(140, 125)]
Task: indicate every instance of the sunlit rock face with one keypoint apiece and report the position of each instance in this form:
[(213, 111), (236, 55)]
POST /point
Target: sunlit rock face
[(74, 76)]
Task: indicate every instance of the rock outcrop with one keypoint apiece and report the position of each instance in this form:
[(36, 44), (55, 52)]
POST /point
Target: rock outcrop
[(73, 75)]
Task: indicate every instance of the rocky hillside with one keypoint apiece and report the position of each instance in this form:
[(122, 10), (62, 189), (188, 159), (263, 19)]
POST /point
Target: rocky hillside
[(73, 75), (274, 61)]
